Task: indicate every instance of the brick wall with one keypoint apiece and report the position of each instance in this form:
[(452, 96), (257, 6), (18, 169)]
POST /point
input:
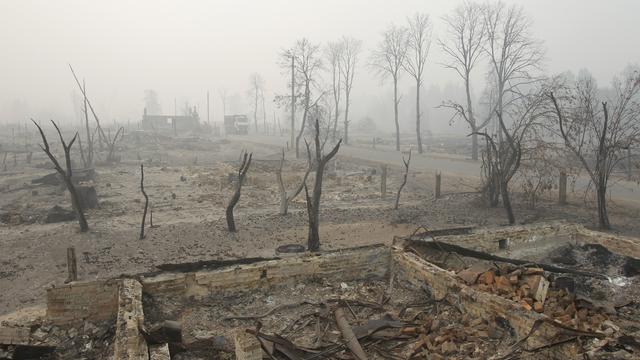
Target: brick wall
[(343, 265), (73, 303)]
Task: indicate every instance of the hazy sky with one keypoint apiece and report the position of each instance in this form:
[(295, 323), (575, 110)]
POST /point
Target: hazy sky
[(184, 48)]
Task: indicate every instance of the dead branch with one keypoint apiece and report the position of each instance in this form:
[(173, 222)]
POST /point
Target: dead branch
[(242, 173), (146, 201), (111, 144), (284, 199), (404, 178), (66, 175), (348, 335)]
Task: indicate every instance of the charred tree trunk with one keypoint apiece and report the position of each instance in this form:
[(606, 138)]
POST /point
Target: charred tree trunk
[(89, 159), (418, 117), (396, 101), (284, 198), (313, 203), (242, 173), (404, 179), (346, 119), (66, 175), (506, 202), (146, 201), (474, 145), (603, 215), (305, 113)]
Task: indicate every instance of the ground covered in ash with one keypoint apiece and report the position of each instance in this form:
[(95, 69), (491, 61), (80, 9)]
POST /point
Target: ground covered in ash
[(189, 181)]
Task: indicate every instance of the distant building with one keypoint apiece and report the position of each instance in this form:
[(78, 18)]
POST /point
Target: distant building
[(171, 122), (236, 124)]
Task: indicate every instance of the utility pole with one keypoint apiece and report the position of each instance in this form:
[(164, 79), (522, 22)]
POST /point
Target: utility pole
[(293, 98)]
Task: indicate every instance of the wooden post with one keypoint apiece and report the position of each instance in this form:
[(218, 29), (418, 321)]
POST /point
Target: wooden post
[(629, 174), (562, 188), (383, 182), (438, 181), (72, 267)]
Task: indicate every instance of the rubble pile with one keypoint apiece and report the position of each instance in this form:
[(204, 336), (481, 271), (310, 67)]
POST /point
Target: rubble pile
[(531, 288), (388, 321), (41, 339)]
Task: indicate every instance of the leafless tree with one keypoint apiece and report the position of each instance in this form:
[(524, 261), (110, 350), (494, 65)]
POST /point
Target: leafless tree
[(66, 174), (463, 47), (598, 135), (418, 44), (146, 201), (111, 144), (514, 55), (348, 60), (242, 173), (333, 54), (313, 203), (388, 59), (503, 159), (257, 88), (308, 62), (102, 137), (286, 199), (404, 178), (264, 111)]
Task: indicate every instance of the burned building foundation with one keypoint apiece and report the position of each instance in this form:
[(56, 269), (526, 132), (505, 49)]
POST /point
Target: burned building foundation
[(422, 297)]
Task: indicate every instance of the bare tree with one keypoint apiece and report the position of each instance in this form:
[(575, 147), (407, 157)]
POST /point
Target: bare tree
[(313, 203), (463, 48), (285, 199), (257, 88), (348, 60), (502, 160), (102, 137), (264, 111), (512, 52), (333, 54), (146, 201), (404, 178), (307, 64), (389, 58), (599, 138), (66, 175), (418, 44), (242, 173), (111, 144)]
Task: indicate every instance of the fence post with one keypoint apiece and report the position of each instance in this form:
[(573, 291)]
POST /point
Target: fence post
[(438, 181), (562, 188), (383, 182), (72, 267)]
